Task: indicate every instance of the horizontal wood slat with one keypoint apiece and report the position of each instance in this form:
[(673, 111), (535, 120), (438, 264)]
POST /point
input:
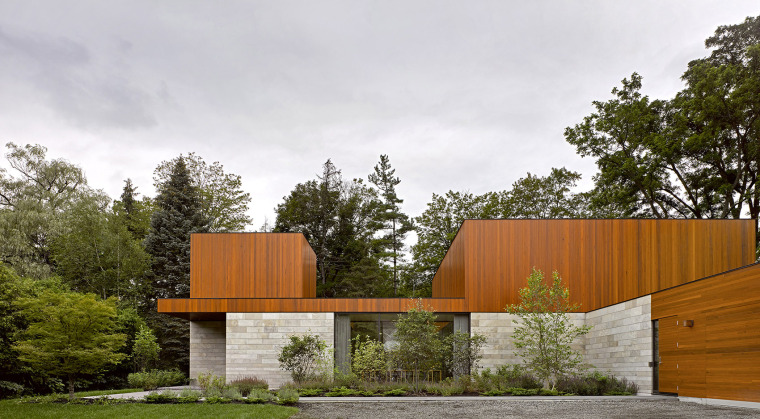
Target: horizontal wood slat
[(719, 357), (182, 307)]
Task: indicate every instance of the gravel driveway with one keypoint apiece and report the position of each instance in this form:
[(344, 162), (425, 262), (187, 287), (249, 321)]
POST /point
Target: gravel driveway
[(520, 408)]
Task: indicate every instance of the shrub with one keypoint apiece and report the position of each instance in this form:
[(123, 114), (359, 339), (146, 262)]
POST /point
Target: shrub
[(232, 393), (10, 389), (517, 391), (287, 396), (302, 356), (188, 395), (166, 396), (596, 384), (420, 347), (395, 392), (342, 392), (152, 380), (258, 395), (209, 381), (369, 357), (310, 392), (246, 384), (463, 352)]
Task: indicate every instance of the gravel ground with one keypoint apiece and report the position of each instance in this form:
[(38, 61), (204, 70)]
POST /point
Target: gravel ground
[(605, 409)]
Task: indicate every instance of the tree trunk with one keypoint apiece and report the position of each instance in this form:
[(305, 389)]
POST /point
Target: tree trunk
[(71, 386)]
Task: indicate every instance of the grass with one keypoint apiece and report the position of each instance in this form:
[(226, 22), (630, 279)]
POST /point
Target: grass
[(11, 409), (105, 392)]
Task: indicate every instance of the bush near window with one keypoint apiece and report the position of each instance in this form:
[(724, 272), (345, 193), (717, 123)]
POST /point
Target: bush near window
[(303, 356)]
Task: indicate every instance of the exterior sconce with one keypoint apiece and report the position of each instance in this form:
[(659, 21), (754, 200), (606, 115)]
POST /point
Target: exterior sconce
[(688, 323)]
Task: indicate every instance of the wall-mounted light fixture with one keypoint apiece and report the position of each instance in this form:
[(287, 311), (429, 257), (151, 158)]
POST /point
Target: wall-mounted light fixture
[(688, 323)]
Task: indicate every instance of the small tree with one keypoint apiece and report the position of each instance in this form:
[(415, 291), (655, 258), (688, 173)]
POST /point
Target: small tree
[(464, 352), (544, 333), (420, 347), (369, 356), (69, 334), (146, 349), (302, 356)]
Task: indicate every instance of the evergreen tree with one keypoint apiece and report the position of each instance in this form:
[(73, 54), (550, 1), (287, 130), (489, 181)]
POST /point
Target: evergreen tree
[(396, 223), (177, 216)]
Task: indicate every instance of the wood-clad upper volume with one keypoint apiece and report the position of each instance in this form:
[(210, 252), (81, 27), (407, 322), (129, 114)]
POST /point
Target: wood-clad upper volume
[(602, 262), (251, 265)]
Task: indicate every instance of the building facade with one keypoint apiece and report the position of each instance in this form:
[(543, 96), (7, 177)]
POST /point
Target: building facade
[(674, 304)]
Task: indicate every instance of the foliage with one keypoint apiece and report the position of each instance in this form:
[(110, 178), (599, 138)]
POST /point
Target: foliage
[(232, 393), (188, 395), (463, 352), (178, 215), (222, 199), (246, 384), (342, 392), (693, 156), (340, 221), (209, 382), (544, 333), (389, 215), (420, 346), (166, 396), (302, 356), (31, 205), (134, 214), (596, 384), (287, 396), (369, 356), (69, 334), (154, 379), (97, 253), (145, 350), (505, 378), (396, 392), (259, 395)]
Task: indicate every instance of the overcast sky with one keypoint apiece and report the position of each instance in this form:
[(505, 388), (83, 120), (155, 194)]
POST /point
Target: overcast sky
[(467, 95)]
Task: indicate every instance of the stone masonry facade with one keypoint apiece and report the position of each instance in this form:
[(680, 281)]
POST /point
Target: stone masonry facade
[(254, 341), (620, 341), (208, 348)]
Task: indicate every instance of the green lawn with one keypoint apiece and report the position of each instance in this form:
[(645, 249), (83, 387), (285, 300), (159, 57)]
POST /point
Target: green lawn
[(12, 409)]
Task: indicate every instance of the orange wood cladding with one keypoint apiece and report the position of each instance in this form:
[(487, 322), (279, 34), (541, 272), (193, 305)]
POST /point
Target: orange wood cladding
[(719, 357), (181, 307), (603, 262), (251, 265)]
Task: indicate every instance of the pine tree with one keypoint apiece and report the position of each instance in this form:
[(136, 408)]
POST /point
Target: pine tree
[(396, 223), (177, 216)]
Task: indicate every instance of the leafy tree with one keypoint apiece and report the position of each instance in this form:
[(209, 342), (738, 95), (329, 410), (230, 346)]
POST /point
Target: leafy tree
[(145, 350), (97, 253), (544, 197), (223, 201), (544, 334), (437, 227), (69, 334), (31, 204), (396, 223), (419, 345), (302, 356), (693, 156), (339, 219)]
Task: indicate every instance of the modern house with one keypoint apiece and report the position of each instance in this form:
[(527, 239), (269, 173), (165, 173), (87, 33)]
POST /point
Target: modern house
[(674, 304)]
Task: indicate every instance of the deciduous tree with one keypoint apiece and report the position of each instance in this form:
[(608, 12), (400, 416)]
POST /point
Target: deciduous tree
[(544, 334)]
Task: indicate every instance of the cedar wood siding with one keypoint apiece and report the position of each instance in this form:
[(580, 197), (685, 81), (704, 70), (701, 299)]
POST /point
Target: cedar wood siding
[(603, 262), (719, 357)]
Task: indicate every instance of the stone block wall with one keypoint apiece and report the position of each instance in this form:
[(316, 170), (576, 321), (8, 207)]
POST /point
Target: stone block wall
[(207, 348), (498, 328), (254, 341), (620, 341)]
